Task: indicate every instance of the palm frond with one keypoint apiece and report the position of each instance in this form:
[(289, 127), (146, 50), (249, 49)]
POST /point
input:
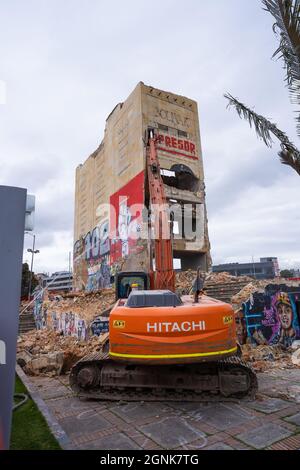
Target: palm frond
[(264, 128), (289, 158), (287, 17)]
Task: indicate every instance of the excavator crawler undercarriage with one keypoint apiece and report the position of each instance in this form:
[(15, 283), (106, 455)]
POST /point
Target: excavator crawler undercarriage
[(98, 377)]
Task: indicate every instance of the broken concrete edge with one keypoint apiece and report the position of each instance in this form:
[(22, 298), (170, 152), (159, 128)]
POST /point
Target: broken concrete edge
[(55, 427)]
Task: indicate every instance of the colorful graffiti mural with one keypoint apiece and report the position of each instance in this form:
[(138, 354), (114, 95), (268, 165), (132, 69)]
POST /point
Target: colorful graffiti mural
[(99, 252), (126, 219), (39, 311), (273, 316), (69, 324), (100, 325)]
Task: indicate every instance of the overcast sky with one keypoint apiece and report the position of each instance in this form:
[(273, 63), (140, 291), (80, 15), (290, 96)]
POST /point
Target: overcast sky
[(64, 66)]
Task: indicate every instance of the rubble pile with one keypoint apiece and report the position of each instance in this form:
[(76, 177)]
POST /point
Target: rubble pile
[(47, 352), (225, 278), (266, 357), (87, 305), (258, 286), (185, 279)]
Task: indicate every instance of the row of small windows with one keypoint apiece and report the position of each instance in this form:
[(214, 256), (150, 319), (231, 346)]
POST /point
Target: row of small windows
[(180, 133)]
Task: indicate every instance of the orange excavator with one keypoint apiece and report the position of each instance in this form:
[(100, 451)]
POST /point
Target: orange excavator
[(162, 346)]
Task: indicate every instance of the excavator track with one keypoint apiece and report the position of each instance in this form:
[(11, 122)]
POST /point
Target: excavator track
[(98, 377)]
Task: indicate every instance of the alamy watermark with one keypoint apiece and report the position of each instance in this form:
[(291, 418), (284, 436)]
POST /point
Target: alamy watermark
[(2, 353), (3, 92), (124, 223)]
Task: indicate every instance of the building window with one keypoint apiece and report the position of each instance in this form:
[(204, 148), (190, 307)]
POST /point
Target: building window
[(163, 128), (182, 133)]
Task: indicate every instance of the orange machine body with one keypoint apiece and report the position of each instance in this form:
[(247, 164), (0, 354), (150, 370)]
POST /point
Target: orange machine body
[(191, 332)]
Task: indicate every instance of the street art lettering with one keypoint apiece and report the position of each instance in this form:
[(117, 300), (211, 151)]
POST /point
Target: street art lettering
[(97, 241), (273, 316), (174, 143), (2, 353)]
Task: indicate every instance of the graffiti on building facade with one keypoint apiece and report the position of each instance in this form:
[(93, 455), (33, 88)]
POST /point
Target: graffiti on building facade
[(98, 254), (273, 316)]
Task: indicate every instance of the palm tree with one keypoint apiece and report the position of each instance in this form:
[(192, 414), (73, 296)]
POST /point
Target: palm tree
[(287, 26)]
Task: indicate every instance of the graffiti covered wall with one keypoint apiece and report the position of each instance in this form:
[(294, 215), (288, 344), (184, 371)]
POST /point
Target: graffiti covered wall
[(273, 316), (102, 252)]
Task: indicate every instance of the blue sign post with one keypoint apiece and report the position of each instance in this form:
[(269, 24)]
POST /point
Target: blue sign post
[(12, 222)]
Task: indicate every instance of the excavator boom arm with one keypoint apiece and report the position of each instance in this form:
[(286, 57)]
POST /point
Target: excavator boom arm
[(163, 277)]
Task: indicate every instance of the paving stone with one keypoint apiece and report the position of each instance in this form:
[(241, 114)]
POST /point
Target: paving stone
[(172, 432), (295, 419), (54, 392), (266, 386), (269, 405), (132, 411), (219, 446), (264, 436), (87, 421), (189, 407), (222, 416), (69, 405), (117, 441)]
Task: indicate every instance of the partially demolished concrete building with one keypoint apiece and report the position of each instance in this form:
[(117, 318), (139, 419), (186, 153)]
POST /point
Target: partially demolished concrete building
[(110, 230)]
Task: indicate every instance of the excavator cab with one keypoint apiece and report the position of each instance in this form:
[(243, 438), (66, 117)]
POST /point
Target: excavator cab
[(125, 282)]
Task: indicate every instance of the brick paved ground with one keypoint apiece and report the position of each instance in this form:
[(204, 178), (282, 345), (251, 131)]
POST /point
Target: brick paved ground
[(272, 421)]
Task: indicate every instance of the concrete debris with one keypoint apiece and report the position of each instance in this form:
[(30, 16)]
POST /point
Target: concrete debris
[(52, 362), (222, 278), (296, 357), (46, 352), (87, 305), (295, 344), (294, 393), (185, 279), (266, 357), (244, 294), (258, 286)]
